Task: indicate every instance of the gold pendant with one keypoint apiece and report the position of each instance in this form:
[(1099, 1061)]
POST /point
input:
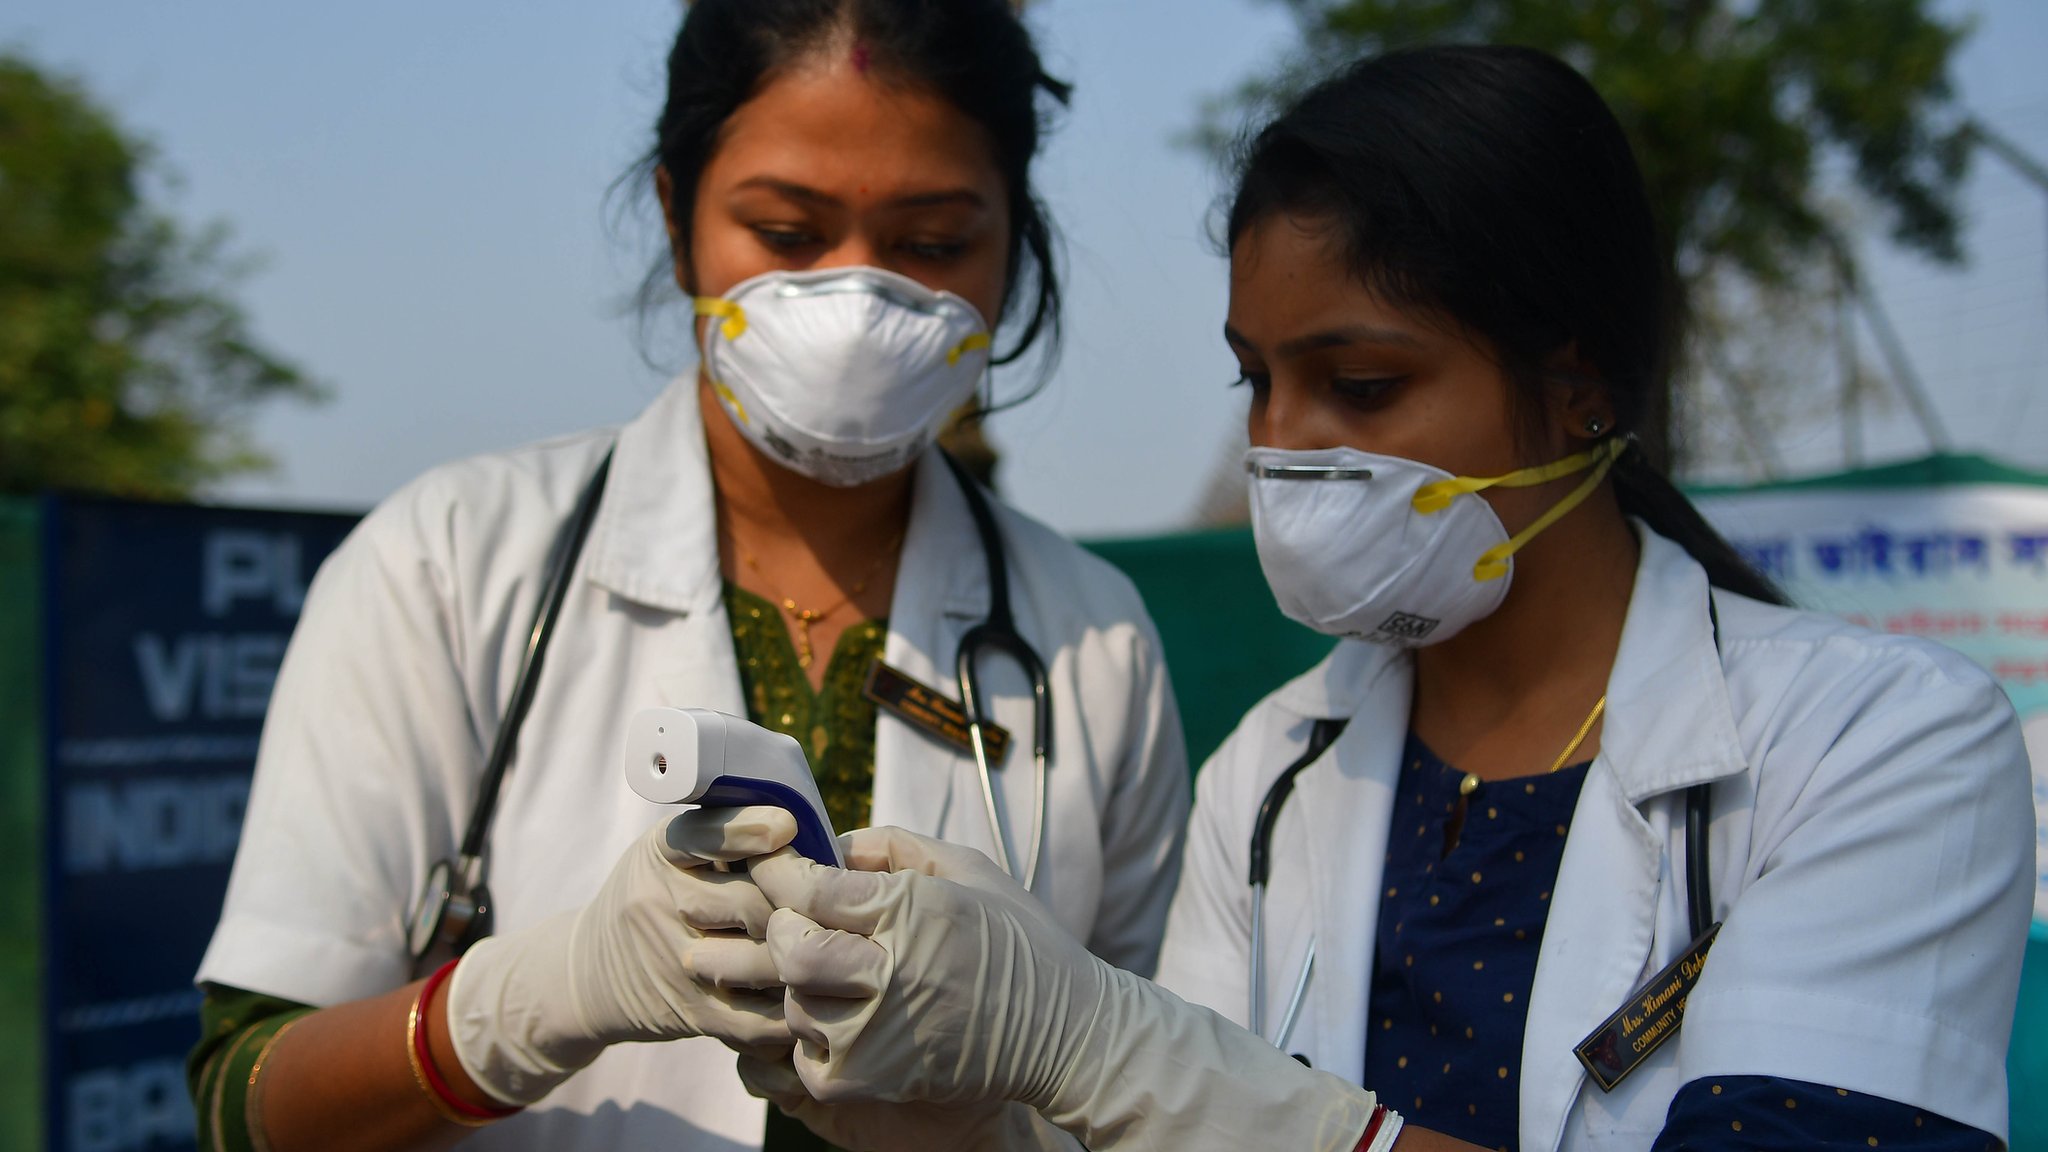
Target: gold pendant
[(803, 642)]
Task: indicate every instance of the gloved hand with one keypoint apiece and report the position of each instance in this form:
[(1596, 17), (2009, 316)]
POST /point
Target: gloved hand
[(669, 948), (934, 977), (870, 1126)]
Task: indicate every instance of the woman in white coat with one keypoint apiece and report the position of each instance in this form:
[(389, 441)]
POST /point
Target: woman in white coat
[(1591, 843), (847, 189)]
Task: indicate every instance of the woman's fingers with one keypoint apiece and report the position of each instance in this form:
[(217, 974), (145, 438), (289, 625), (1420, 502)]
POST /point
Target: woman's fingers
[(709, 901), (890, 849), (727, 961), (772, 1079), (834, 897), (825, 962), (746, 1019), (722, 835)]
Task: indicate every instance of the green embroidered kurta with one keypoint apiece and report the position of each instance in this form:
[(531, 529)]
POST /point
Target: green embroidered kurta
[(836, 727)]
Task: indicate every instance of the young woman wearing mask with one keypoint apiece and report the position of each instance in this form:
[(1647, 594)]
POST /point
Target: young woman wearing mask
[(846, 185), (1612, 851)]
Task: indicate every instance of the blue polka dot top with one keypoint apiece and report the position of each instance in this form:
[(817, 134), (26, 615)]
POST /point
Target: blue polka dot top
[(1462, 908)]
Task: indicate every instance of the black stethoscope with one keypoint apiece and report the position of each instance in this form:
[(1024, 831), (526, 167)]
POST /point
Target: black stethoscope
[(1322, 734), (454, 905)]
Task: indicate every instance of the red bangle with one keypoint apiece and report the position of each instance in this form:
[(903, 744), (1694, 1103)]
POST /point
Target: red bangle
[(1372, 1127), (451, 1105)]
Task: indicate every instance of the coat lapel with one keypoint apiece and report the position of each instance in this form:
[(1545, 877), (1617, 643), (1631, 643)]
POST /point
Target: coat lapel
[(1596, 947), (655, 543), (940, 593), (1337, 822), (1669, 726), (656, 537)]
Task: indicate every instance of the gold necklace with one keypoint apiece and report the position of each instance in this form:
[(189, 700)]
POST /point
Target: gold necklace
[(803, 618), (1579, 738), (1470, 783)]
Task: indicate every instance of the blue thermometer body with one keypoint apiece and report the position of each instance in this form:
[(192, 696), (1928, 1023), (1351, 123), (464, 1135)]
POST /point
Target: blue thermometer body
[(697, 756)]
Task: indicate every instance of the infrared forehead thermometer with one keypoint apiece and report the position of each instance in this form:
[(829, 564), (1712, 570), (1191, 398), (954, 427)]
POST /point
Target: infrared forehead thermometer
[(697, 756)]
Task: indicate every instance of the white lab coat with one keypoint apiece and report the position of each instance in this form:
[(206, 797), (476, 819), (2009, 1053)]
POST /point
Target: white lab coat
[(400, 667), (1871, 844)]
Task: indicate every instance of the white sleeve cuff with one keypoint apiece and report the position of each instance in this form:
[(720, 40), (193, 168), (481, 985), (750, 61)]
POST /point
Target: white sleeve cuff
[(1867, 1048), (292, 963)]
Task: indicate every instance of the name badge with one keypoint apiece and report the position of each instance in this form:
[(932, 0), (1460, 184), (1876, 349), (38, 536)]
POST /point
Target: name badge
[(930, 711), (1653, 1015)]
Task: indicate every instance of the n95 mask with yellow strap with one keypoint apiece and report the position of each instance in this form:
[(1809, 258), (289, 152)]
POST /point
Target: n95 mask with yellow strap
[(841, 374), (1390, 550)]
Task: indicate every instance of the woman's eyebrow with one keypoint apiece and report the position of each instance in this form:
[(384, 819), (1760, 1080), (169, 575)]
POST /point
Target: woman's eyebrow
[(967, 197), (1344, 337), (790, 189), (1329, 338), (809, 195)]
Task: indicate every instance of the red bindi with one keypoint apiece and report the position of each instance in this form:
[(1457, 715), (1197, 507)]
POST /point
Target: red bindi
[(860, 58)]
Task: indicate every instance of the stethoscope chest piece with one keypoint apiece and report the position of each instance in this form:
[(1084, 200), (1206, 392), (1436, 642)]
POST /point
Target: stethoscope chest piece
[(449, 908)]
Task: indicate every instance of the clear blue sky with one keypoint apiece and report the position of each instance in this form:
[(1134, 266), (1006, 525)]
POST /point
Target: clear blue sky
[(425, 184)]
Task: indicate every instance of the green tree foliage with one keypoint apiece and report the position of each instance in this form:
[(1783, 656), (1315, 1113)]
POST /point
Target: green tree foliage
[(1734, 109), (124, 366)]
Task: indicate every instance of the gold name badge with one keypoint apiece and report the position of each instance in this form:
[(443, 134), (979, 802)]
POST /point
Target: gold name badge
[(1653, 1015), (930, 711)]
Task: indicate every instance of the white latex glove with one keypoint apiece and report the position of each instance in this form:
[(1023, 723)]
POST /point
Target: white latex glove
[(935, 977), (669, 948), (873, 1126)]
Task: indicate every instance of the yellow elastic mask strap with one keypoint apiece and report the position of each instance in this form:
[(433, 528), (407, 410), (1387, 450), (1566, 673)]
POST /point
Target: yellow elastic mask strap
[(1493, 563), (726, 394), (735, 317), (972, 343), (1438, 496)]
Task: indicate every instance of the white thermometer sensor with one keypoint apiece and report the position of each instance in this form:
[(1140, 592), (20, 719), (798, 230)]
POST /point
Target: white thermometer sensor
[(697, 756)]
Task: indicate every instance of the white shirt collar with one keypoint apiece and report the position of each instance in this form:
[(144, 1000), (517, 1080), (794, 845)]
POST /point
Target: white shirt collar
[(656, 540)]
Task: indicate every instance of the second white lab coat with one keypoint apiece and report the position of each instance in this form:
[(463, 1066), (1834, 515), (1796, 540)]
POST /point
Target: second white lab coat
[(408, 647), (1871, 844)]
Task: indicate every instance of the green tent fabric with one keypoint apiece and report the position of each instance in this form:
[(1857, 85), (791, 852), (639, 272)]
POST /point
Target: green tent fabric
[(20, 825), (1226, 642), (2026, 1062)]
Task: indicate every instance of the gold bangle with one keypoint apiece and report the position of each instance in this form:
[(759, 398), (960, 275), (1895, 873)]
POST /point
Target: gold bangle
[(419, 1074), (220, 1064), (252, 1104)]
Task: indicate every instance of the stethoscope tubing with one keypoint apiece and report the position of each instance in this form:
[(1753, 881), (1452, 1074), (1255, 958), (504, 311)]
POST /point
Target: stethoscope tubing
[(977, 639), (1698, 879), (466, 872), (998, 631)]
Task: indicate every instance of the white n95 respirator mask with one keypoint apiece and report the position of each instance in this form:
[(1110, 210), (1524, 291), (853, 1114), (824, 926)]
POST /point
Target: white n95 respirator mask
[(841, 374), (1390, 550)]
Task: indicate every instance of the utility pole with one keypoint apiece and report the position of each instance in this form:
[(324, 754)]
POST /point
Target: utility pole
[(1852, 382), (2029, 168), (1888, 343), (1901, 367)]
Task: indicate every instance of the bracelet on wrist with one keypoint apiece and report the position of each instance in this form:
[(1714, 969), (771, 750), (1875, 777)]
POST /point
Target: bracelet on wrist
[(1381, 1130), (451, 1107)]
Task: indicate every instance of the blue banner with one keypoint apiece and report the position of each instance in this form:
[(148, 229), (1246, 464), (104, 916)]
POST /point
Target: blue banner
[(164, 625)]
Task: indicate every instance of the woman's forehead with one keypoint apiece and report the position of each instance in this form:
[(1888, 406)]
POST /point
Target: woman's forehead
[(851, 134)]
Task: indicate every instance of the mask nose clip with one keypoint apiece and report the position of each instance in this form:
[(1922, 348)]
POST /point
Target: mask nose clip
[(1304, 472)]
